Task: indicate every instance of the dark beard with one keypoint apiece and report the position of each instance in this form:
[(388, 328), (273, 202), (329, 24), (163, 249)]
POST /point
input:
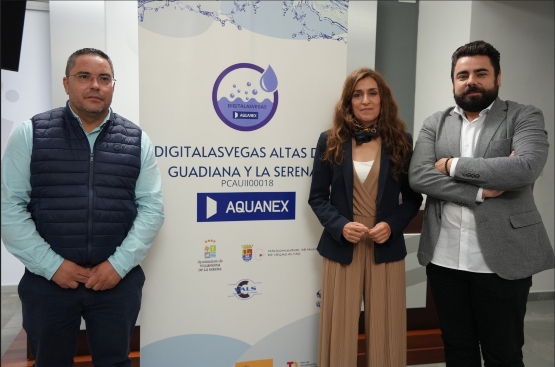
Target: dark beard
[(476, 104)]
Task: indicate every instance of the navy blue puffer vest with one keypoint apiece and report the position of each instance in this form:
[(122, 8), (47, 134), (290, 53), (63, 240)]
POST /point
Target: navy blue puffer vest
[(83, 203)]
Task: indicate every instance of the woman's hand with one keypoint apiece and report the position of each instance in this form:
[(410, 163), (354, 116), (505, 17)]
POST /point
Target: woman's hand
[(353, 231), (380, 233)]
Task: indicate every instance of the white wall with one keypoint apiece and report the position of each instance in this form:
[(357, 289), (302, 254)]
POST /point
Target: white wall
[(438, 36), (122, 37), (24, 94), (527, 76), (73, 25), (110, 26), (523, 32), (361, 49)]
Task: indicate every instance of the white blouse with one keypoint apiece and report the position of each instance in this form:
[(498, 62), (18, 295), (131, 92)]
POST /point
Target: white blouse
[(362, 169)]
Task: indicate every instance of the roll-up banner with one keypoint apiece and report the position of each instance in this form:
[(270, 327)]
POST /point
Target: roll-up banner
[(234, 95)]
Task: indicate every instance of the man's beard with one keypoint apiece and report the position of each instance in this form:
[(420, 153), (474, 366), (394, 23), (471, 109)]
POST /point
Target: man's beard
[(476, 103)]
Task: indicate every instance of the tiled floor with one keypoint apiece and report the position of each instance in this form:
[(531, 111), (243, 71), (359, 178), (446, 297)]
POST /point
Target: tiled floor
[(11, 318), (538, 348)]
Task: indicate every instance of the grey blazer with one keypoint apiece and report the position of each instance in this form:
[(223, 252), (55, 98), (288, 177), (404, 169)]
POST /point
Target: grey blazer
[(510, 230)]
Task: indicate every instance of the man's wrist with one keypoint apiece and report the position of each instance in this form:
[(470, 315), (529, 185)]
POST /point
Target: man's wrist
[(447, 168)]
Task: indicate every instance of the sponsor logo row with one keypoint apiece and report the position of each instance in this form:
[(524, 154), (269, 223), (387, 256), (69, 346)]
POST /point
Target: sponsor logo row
[(248, 252), (244, 289)]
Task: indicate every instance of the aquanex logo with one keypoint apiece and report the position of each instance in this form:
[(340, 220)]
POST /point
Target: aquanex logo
[(245, 206), (245, 115)]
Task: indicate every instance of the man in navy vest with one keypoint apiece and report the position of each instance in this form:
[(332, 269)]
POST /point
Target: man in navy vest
[(81, 205)]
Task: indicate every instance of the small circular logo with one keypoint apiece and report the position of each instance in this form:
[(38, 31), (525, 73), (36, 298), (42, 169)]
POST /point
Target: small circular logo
[(245, 289), (245, 96)]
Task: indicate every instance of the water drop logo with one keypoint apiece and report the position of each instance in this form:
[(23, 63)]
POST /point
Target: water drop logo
[(245, 96)]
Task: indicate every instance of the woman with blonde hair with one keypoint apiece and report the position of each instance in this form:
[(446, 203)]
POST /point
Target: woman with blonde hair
[(361, 196)]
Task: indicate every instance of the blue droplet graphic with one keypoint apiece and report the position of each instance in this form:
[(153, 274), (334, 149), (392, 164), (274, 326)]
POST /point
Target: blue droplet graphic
[(268, 80), (248, 84), (255, 92), (232, 95)]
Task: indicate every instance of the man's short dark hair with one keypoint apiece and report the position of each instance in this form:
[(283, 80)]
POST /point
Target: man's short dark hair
[(72, 60), (477, 48)]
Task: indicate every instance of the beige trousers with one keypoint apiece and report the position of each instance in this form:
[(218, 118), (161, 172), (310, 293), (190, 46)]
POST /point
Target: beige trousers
[(384, 291)]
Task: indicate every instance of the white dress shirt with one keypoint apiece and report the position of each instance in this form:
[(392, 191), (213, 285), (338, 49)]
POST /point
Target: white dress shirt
[(457, 246)]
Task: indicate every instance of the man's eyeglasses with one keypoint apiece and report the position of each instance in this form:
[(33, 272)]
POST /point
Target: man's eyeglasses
[(105, 81)]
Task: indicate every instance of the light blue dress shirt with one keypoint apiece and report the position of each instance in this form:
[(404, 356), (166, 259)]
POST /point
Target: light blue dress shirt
[(18, 228)]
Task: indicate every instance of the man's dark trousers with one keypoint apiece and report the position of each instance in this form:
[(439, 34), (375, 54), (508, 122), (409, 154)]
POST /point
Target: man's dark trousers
[(52, 318), (480, 310)]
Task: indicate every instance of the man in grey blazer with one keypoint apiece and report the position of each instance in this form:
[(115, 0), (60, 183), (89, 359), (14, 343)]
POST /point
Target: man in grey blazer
[(482, 236)]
